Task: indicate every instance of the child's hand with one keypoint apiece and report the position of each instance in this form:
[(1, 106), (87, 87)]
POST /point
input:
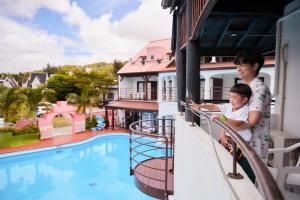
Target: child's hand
[(214, 117), (194, 105)]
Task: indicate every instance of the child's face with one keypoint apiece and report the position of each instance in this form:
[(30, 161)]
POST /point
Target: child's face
[(236, 100)]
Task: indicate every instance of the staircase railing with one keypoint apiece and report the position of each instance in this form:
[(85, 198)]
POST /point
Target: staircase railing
[(152, 139)]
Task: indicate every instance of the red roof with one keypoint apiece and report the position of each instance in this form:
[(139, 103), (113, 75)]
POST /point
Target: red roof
[(155, 58), (156, 55), (134, 105), (217, 65)]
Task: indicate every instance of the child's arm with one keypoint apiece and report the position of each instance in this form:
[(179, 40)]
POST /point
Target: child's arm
[(209, 106)]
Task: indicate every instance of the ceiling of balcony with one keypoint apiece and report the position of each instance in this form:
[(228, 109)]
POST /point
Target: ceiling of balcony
[(233, 25)]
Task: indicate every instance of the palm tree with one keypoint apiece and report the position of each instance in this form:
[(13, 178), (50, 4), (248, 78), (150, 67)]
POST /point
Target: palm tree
[(10, 97)]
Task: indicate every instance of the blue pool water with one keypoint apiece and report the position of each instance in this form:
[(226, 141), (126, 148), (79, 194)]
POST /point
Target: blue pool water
[(98, 169)]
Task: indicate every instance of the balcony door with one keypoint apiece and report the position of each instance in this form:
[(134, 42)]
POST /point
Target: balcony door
[(153, 90), (217, 89)]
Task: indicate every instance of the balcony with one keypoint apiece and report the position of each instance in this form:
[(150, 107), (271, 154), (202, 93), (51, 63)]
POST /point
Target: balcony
[(134, 94), (169, 94), (201, 163)]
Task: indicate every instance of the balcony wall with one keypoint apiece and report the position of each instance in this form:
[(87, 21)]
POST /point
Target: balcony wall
[(198, 174)]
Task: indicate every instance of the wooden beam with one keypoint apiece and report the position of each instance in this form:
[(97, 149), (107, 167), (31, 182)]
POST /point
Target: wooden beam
[(250, 27), (268, 30), (224, 33)]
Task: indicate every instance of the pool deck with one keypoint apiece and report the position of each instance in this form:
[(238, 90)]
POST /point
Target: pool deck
[(59, 140)]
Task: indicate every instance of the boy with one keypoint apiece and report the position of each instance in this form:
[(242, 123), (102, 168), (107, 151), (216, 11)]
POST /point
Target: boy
[(233, 113)]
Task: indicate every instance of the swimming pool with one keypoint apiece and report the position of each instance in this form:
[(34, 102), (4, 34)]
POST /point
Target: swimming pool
[(95, 169)]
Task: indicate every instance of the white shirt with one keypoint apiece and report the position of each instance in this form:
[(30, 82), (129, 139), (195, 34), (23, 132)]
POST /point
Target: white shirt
[(239, 115)]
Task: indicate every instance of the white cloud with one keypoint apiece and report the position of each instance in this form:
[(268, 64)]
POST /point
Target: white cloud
[(26, 48), (28, 8)]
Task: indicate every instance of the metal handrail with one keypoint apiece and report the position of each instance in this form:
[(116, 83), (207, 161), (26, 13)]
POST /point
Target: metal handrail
[(138, 133), (265, 179)]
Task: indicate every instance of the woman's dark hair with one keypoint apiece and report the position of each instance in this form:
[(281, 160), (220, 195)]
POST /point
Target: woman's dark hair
[(242, 89), (249, 57)]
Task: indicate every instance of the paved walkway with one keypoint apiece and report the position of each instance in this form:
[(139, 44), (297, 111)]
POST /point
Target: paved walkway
[(59, 140)]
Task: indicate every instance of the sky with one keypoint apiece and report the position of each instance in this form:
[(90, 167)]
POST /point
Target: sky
[(36, 32)]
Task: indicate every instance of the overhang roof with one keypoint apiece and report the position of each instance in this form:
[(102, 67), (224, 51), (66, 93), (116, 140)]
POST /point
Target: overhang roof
[(226, 27), (218, 65), (134, 105)]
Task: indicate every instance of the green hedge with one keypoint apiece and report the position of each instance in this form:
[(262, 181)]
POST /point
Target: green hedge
[(90, 124), (10, 137), (28, 130)]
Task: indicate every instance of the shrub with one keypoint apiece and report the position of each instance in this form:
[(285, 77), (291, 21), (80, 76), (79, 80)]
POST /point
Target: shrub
[(90, 123), (28, 130)]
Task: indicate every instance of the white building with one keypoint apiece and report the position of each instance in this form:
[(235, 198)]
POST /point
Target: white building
[(35, 80), (9, 82)]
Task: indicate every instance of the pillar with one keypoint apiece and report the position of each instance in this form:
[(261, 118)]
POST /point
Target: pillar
[(173, 78), (106, 118), (207, 88), (192, 64), (180, 64), (113, 119)]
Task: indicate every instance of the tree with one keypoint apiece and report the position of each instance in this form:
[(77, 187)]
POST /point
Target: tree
[(117, 66), (14, 105), (50, 70), (49, 95), (63, 85)]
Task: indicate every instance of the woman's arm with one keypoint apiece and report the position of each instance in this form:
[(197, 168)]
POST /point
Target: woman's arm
[(237, 125)]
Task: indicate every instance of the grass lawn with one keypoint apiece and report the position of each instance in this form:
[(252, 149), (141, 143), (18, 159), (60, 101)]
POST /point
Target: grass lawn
[(61, 122), (8, 140)]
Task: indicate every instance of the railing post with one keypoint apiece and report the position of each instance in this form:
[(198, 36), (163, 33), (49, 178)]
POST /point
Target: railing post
[(130, 150), (166, 169), (172, 148), (234, 174), (164, 125), (193, 120)]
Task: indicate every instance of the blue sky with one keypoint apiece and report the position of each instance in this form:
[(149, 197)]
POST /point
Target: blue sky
[(36, 32)]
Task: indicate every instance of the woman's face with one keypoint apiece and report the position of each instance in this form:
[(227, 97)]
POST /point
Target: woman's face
[(246, 71)]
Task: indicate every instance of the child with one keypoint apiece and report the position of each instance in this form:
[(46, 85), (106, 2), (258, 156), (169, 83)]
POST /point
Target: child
[(234, 113)]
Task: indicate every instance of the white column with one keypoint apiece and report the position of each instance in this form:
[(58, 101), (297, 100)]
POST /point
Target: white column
[(167, 95), (160, 88), (207, 88), (174, 88)]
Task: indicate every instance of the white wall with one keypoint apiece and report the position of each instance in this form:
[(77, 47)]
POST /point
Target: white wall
[(197, 173), (229, 75), (290, 36), (167, 108)]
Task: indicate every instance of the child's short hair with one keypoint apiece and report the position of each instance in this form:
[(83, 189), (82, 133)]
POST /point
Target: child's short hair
[(242, 89)]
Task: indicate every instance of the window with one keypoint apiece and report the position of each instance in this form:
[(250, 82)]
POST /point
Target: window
[(110, 95), (152, 57), (140, 86)]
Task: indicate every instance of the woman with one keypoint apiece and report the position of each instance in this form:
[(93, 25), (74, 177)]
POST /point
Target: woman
[(249, 64)]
